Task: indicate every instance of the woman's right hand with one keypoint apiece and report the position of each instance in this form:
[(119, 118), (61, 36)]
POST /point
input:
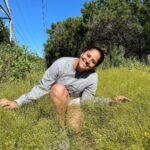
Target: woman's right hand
[(8, 104)]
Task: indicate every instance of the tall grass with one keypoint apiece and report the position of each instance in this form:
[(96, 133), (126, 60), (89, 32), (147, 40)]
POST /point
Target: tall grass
[(125, 126)]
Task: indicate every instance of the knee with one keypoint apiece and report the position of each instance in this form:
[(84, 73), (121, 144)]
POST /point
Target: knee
[(58, 90)]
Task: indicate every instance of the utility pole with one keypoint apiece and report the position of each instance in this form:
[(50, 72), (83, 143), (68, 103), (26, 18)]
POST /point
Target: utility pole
[(7, 12)]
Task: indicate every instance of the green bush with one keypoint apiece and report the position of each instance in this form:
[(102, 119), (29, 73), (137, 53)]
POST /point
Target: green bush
[(116, 59), (16, 62)]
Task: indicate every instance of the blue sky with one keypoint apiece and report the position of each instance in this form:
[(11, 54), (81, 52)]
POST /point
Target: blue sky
[(32, 17)]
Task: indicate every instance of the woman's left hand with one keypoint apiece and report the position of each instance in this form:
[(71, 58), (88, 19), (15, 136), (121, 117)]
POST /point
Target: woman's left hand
[(121, 99)]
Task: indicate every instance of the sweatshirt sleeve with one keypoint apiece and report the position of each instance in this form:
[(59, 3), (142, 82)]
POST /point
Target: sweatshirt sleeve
[(43, 87), (90, 90)]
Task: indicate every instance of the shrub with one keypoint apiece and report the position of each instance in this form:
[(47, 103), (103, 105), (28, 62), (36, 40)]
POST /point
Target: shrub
[(16, 62)]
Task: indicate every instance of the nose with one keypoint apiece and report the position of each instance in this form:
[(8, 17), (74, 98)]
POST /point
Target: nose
[(88, 60)]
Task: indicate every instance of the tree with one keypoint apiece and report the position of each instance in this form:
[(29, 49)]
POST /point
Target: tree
[(65, 39), (4, 33), (124, 23), (108, 23)]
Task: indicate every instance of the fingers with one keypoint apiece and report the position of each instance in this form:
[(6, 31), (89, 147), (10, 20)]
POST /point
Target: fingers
[(8, 107), (7, 104), (125, 99), (121, 99), (3, 102), (3, 99)]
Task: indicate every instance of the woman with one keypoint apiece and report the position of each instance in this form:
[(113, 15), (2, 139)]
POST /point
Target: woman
[(69, 81)]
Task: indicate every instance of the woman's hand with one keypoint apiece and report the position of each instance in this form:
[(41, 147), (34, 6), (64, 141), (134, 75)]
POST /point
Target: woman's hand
[(122, 99), (8, 104), (119, 99)]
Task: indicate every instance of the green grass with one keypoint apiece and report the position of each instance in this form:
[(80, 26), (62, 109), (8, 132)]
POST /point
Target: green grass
[(125, 126)]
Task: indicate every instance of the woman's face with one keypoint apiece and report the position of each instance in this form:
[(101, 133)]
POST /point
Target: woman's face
[(88, 60)]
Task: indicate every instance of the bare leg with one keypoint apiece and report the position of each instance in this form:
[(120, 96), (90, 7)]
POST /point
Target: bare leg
[(75, 117), (60, 98)]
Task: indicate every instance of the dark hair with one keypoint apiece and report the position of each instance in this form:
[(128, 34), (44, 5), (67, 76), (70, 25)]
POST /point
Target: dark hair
[(102, 52)]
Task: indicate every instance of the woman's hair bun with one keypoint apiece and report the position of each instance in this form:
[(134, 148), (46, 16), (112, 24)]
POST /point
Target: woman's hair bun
[(105, 50)]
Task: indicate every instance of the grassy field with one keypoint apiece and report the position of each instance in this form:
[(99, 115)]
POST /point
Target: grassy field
[(125, 126)]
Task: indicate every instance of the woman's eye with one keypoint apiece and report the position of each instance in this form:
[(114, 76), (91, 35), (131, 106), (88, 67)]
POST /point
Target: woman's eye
[(88, 55), (94, 62)]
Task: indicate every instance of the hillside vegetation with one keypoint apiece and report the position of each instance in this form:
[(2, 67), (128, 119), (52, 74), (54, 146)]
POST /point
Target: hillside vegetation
[(125, 126), (16, 62), (121, 26)]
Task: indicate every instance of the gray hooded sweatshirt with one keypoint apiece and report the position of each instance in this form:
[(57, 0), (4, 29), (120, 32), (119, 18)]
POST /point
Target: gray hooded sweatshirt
[(78, 84)]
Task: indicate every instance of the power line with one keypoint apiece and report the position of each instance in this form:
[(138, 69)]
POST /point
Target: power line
[(44, 9), (43, 13), (19, 30), (26, 25), (21, 35), (46, 12)]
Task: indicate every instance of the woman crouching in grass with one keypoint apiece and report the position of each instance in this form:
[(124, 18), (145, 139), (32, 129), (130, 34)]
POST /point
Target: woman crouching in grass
[(69, 81)]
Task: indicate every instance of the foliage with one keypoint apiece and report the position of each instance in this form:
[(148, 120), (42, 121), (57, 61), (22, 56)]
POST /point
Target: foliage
[(125, 126), (123, 23), (116, 59), (4, 33), (66, 38), (108, 23), (16, 62)]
